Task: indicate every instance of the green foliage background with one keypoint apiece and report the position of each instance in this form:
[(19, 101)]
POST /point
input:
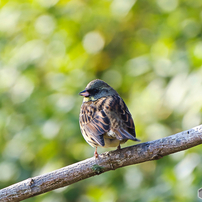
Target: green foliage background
[(149, 51)]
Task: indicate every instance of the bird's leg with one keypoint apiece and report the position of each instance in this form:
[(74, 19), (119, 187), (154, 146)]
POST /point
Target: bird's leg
[(95, 153), (119, 147)]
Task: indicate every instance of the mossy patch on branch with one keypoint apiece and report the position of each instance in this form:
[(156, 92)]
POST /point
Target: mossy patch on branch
[(98, 169)]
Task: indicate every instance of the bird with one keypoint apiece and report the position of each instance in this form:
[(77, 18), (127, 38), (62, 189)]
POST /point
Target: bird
[(104, 119)]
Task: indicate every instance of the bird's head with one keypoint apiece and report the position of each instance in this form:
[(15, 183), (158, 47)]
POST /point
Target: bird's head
[(97, 89)]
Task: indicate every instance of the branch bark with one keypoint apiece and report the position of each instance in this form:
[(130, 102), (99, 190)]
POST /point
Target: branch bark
[(112, 160)]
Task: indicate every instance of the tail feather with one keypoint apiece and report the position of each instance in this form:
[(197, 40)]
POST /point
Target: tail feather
[(122, 134), (119, 134)]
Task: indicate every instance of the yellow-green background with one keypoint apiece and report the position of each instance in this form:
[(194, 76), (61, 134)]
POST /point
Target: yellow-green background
[(149, 51)]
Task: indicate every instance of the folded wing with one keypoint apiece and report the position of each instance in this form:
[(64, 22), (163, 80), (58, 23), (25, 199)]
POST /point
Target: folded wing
[(95, 123)]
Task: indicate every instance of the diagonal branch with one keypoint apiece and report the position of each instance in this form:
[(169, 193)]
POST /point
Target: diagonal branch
[(147, 151)]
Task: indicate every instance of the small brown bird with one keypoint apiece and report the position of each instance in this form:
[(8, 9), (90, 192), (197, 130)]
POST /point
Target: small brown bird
[(105, 120)]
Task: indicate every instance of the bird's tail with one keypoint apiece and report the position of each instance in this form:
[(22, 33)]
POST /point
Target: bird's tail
[(123, 134)]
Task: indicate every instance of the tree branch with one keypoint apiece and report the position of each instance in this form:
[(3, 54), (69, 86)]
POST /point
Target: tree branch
[(112, 160)]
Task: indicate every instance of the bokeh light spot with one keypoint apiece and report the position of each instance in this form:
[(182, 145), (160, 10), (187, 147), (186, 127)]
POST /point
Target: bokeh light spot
[(45, 24), (93, 42), (50, 129), (167, 5), (120, 8)]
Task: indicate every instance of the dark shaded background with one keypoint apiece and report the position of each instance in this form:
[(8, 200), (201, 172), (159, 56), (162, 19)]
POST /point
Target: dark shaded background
[(149, 51)]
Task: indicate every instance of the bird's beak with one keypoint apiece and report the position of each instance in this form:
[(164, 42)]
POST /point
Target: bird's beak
[(84, 93)]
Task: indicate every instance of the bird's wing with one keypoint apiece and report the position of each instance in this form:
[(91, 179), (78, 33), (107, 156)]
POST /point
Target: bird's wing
[(94, 122), (128, 129)]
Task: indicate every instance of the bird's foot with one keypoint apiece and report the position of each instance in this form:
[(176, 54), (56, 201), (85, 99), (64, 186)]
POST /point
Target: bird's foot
[(96, 154)]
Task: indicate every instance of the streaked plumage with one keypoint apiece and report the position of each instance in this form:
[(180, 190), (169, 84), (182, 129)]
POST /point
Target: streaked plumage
[(105, 120)]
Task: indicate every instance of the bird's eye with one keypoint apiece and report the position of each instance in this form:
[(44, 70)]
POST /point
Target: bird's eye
[(93, 91)]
